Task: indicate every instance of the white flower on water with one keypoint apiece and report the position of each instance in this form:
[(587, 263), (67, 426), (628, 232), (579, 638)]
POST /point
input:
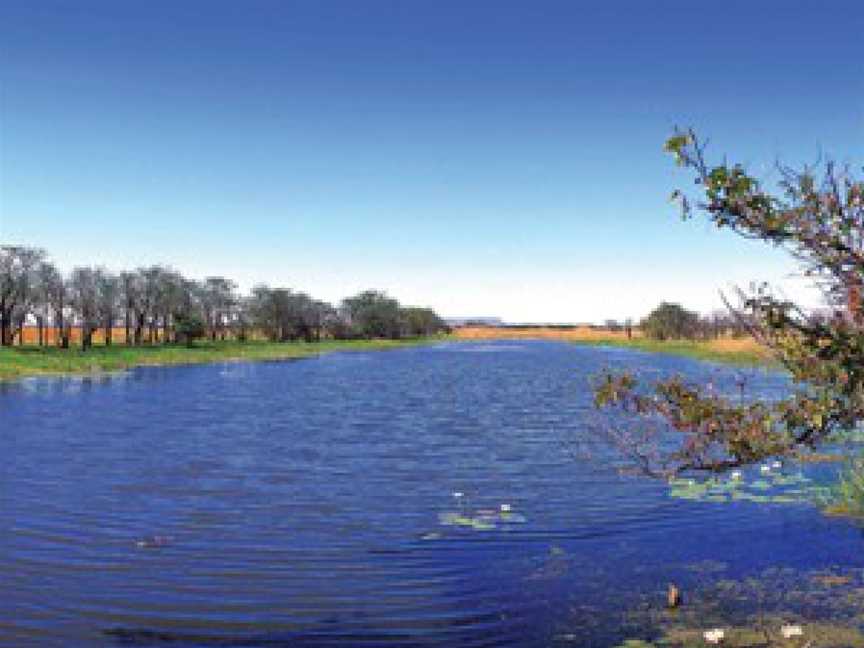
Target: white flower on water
[(505, 508), (736, 475), (714, 636), (789, 631), (458, 494), (764, 469), (776, 464)]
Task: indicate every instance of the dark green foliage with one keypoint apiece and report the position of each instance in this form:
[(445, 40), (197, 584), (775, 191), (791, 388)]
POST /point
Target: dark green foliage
[(373, 314), (188, 328), (420, 322), (670, 321)]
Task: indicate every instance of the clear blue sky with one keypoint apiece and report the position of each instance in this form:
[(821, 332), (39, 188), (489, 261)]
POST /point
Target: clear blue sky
[(484, 158)]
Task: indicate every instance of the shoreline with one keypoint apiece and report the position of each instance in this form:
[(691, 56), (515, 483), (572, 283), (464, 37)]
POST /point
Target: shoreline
[(28, 362), (32, 361), (697, 350), (734, 351)]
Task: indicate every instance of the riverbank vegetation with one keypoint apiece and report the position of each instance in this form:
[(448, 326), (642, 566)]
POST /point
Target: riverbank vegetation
[(780, 607), (820, 221), (157, 304), (95, 320), (18, 362), (726, 348)]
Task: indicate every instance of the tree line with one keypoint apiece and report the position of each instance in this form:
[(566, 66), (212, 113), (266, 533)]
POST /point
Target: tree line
[(157, 304), (671, 321)]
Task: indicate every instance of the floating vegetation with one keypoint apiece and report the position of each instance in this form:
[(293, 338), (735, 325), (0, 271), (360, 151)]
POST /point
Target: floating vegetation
[(780, 607), (820, 457), (770, 487), (847, 496), (853, 436), (762, 634), (483, 519), (479, 523)]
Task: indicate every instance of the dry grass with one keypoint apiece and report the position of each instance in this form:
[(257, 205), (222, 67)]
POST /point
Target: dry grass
[(576, 334), (732, 350)]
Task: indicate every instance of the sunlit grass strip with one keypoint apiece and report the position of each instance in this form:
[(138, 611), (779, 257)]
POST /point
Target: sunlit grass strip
[(748, 353), (19, 362)]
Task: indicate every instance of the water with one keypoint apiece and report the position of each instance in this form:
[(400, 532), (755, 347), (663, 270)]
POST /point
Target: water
[(300, 504)]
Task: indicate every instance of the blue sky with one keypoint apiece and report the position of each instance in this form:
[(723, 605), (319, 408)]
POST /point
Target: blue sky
[(485, 158)]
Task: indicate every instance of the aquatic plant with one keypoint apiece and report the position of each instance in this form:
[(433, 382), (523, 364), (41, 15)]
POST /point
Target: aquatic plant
[(482, 519), (771, 487), (715, 635), (775, 608), (847, 496)]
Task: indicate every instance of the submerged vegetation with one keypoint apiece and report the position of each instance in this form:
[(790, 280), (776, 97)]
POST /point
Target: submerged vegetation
[(776, 608)]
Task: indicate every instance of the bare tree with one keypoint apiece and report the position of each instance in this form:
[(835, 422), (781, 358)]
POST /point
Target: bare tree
[(217, 296), (84, 293), (108, 290), (156, 298), (18, 276), (129, 291), (55, 292)]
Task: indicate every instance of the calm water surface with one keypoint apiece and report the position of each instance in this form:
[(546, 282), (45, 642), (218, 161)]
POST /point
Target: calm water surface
[(301, 504)]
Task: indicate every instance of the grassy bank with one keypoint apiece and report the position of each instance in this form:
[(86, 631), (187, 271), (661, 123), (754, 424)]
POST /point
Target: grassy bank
[(19, 362), (741, 351)]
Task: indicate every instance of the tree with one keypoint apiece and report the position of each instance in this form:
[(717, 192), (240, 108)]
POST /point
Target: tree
[(189, 327), (45, 272), (108, 291), (18, 276), (174, 298), (372, 314), (419, 322), (285, 315), (817, 214), (670, 321), (217, 297), (129, 292), (84, 293), (157, 298), (150, 301), (55, 292)]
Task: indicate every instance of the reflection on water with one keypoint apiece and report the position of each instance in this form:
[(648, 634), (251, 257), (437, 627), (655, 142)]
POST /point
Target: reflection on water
[(420, 497)]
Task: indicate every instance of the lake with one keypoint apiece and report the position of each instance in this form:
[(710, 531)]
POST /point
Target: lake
[(433, 496)]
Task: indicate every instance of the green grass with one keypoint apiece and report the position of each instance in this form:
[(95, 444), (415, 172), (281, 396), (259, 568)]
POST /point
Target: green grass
[(690, 348), (19, 362)]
